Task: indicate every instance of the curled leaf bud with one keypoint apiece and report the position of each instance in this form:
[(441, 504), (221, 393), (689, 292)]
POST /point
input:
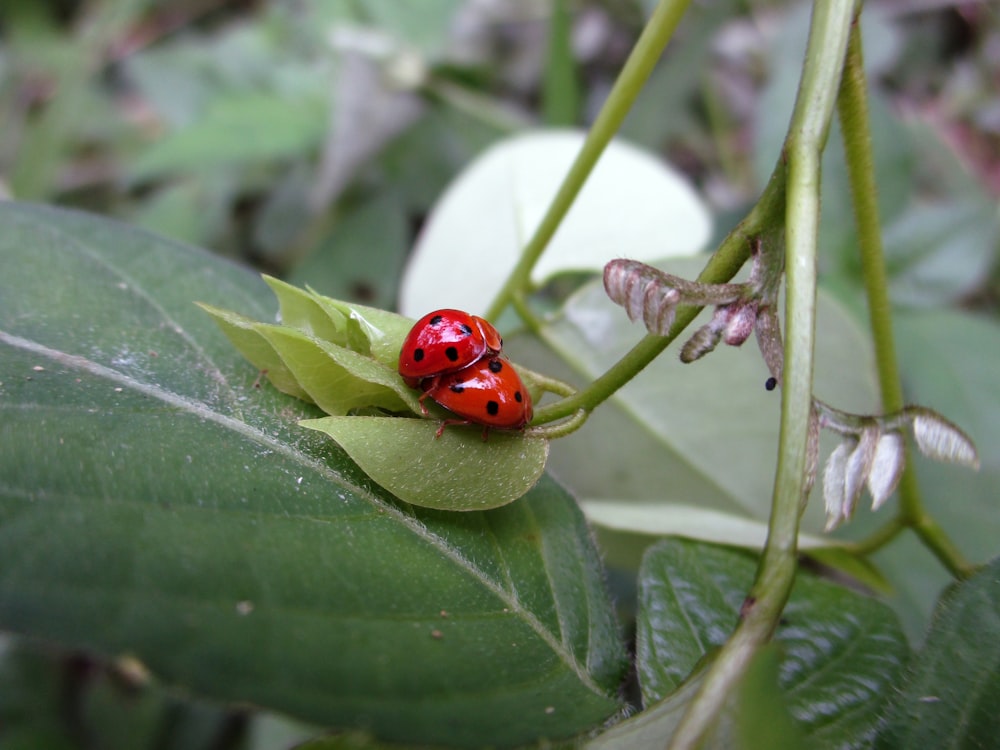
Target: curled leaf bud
[(644, 292)]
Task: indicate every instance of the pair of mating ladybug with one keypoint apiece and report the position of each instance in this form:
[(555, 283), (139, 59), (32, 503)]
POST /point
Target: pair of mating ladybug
[(454, 358)]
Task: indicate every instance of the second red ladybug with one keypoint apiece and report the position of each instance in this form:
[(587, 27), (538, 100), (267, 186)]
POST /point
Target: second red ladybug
[(445, 341), (488, 393)]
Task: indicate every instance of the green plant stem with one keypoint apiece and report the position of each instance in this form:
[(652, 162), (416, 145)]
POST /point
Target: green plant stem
[(560, 86), (880, 537), (852, 109), (727, 260), (637, 68), (931, 533), (828, 34)]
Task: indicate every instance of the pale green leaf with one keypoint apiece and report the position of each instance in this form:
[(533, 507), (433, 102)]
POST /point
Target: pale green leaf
[(457, 471)]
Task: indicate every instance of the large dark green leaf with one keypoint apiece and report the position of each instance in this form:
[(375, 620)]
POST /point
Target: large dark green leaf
[(154, 502), (951, 694), (841, 651)]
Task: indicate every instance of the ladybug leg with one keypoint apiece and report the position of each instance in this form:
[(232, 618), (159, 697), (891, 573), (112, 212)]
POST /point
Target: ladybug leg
[(486, 433), (446, 422), (421, 402), (428, 385)]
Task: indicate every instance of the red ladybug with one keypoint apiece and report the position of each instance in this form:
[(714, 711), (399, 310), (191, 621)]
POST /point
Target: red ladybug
[(446, 341), (489, 393)]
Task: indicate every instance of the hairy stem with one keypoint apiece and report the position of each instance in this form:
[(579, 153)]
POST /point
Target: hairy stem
[(828, 34), (637, 68), (852, 109)]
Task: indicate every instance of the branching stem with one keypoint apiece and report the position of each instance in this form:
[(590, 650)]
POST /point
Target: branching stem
[(731, 255), (804, 144)]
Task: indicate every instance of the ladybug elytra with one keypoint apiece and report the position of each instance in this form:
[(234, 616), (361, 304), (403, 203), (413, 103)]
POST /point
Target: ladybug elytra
[(445, 341), (488, 392)]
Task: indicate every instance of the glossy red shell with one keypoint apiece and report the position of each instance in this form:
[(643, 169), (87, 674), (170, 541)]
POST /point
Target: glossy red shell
[(489, 392), (445, 341)]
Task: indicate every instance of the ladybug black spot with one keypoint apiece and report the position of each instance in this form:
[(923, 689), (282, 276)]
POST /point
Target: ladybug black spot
[(451, 353), (418, 355), (518, 397), (435, 320), (465, 329), (492, 408), (495, 365), (456, 387)]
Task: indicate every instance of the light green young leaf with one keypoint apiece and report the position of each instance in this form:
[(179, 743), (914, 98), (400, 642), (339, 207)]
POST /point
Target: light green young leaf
[(338, 379), (243, 334), (370, 330), (366, 330), (458, 471), (300, 309)]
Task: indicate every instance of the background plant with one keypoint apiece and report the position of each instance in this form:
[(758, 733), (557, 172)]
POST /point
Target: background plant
[(284, 195)]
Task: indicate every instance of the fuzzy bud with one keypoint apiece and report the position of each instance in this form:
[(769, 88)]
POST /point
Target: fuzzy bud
[(938, 438), (886, 469), (704, 340), (741, 317)]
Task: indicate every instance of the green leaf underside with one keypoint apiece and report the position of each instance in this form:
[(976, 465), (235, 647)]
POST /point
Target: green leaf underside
[(842, 652), (949, 697), (451, 472), (153, 502)]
